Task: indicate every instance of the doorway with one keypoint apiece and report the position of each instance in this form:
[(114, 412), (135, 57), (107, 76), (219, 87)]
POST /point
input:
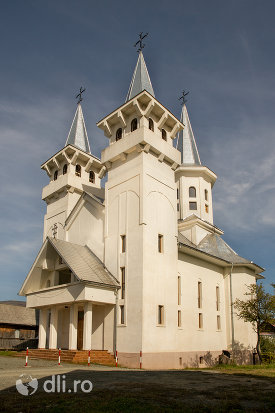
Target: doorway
[(80, 323)]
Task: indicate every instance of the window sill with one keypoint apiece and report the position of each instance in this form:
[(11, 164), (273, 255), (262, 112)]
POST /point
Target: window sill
[(200, 329), (121, 325), (160, 325)]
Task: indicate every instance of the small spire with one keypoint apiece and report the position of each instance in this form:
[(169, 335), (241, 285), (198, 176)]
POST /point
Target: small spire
[(141, 79), (186, 141), (78, 134)]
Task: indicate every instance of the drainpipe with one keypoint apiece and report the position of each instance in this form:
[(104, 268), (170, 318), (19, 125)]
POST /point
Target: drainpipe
[(232, 314), (115, 323)]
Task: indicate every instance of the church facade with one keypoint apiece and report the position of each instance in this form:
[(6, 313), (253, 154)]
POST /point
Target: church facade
[(137, 267)]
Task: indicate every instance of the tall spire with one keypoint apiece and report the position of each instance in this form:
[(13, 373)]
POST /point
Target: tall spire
[(78, 135), (186, 142), (140, 80)]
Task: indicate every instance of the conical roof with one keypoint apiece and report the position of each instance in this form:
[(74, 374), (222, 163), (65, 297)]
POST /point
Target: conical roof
[(78, 135), (186, 142), (140, 80)]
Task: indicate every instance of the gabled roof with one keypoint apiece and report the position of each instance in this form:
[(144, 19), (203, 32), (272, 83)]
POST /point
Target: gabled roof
[(78, 134), (215, 246), (13, 313), (85, 265), (140, 80), (186, 141)]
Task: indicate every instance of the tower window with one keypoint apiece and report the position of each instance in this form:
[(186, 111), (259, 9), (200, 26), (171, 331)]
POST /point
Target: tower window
[(122, 269), (199, 294), (192, 205), (134, 125), (218, 298), (55, 175), (151, 124), (179, 318), (160, 243), (178, 193), (206, 194), (92, 177), (164, 134), (122, 315), (65, 169), (78, 170), (118, 134), (160, 314), (200, 320), (179, 290), (206, 208), (218, 322), (192, 192), (123, 243)]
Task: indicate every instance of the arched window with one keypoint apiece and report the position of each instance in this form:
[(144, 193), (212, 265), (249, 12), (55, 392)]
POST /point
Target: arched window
[(55, 175), (164, 134), (151, 124), (65, 169), (118, 134), (134, 125), (78, 170), (206, 194), (192, 192), (92, 177)]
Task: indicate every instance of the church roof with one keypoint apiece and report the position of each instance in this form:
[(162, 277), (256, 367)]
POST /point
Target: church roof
[(83, 263), (78, 134), (140, 80), (186, 141), (17, 314), (214, 245)]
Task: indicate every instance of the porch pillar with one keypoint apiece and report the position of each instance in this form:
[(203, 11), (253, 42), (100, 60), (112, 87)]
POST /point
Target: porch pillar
[(87, 328), (53, 328), (42, 334), (73, 327)]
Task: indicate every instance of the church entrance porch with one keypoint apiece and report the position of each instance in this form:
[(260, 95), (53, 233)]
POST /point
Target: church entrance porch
[(77, 326)]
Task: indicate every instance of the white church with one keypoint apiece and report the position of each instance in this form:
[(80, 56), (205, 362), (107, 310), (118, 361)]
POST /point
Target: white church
[(137, 268)]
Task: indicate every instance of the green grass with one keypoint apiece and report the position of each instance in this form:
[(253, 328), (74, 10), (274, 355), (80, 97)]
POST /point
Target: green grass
[(266, 370), (8, 353)]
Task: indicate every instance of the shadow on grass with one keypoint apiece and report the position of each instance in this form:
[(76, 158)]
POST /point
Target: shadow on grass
[(144, 391)]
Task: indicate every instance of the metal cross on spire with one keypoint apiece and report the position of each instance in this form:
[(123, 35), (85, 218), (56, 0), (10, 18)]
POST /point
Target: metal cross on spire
[(81, 90), (182, 98), (140, 42)]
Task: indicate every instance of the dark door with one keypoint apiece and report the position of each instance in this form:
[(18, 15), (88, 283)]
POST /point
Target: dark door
[(80, 330)]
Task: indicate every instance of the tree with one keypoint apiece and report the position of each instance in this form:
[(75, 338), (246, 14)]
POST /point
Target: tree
[(258, 309)]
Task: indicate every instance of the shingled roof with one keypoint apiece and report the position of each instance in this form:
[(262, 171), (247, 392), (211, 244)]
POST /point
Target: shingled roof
[(17, 314)]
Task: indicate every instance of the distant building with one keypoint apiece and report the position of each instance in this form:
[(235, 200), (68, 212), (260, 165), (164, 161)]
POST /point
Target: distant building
[(18, 325), (137, 266)]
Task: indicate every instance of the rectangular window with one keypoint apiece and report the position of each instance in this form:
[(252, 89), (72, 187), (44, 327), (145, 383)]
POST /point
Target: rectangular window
[(192, 205), (200, 320), (160, 243), (122, 318), (179, 318), (206, 208), (178, 207), (177, 193), (123, 243), (218, 322), (122, 270), (199, 294), (160, 314), (179, 291), (218, 298)]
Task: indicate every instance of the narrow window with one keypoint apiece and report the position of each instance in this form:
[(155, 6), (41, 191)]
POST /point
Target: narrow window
[(218, 298), (199, 294), (55, 175), (78, 170), (179, 318), (206, 194), (192, 205), (16, 333), (218, 322), (151, 124), (160, 243), (134, 125), (65, 169), (201, 360), (179, 290), (200, 320), (122, 269), (123, 243), (92, 177), (177, 193), (164, 134), (192, 192), (178, 207), (206, 208), (122, 318), (160, 314), (118, 134)]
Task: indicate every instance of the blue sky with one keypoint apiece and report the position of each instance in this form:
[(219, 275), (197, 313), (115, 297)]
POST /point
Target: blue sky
[(222, 52)]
